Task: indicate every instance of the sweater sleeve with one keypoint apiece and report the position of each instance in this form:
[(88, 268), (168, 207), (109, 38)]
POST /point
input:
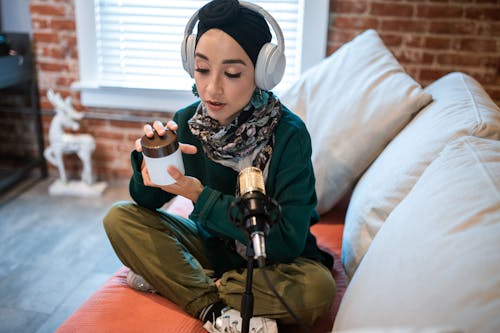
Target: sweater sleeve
[(293, 187), (146, 196), (211, 210)]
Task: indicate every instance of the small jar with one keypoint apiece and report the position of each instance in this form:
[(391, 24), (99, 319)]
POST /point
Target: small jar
[(159, 153)]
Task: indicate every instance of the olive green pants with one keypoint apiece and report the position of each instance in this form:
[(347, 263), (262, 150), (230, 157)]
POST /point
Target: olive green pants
[(168, 252)]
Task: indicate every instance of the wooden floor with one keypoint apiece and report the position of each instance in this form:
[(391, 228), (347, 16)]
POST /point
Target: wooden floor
[(54, 254)]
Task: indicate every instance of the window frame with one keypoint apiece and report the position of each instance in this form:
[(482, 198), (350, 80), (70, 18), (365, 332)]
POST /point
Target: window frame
[(314, 39)]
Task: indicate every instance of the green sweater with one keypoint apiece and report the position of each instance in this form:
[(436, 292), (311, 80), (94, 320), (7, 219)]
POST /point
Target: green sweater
[(290, 182)]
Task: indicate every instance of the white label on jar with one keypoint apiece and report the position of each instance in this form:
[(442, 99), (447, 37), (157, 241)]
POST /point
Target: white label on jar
[(157, 167)]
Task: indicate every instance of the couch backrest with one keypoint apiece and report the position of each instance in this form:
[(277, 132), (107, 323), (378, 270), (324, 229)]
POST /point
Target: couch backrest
[(435, 261), (460, 107)]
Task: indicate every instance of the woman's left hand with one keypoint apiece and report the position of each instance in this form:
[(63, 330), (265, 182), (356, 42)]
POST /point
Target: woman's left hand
[(186, 186)]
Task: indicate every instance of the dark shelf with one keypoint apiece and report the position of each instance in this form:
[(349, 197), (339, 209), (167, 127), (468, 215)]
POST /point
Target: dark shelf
[(17, 78)]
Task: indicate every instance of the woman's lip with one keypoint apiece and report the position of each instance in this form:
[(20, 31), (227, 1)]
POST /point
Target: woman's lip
[(215, 106)]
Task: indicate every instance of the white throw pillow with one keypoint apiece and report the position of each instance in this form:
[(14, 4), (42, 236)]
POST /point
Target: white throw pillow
[(353, 103), (436, 260), (460, 107)]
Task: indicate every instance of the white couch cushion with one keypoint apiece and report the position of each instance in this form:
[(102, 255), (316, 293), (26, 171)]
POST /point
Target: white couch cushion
[(353, 103), (460, 107), (436, 260)]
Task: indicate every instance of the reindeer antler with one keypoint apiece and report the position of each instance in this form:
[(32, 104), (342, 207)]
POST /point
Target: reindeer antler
[(63, 105), (55, 99)]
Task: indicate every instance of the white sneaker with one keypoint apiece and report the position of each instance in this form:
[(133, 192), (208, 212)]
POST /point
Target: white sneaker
[(230, 322), (137, 282)]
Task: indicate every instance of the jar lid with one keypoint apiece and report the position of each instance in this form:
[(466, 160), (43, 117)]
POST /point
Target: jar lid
[(159, 146)]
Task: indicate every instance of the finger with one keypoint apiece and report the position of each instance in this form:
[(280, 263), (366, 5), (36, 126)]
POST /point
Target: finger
[(172, 125), (145, 176), (188, 149), (158, 126), (148, 130), (138, 145), (175, 173), (146, 179)]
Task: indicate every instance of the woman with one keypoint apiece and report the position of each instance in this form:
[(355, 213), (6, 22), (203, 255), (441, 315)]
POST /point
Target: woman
[(198, 263)]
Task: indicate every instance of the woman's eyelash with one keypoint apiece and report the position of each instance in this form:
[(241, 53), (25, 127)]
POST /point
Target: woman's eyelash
[(201, 70), (229, 75), (232, 76)]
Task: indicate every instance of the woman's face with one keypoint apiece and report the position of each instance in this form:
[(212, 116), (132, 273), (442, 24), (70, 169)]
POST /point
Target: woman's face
[(224, 75)]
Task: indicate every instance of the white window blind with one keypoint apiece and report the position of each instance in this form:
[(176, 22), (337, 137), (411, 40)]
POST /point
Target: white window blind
[(138, 42), (129, 50)]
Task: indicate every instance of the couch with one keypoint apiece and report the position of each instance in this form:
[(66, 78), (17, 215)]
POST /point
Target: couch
[(408, 183)]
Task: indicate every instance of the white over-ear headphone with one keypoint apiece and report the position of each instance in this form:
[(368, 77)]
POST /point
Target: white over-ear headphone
[(270, 65)]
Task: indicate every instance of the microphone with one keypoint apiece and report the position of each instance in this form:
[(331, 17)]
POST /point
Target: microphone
[(257, 210)]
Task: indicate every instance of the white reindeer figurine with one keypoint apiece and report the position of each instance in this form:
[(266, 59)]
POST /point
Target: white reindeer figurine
[(63, 143)]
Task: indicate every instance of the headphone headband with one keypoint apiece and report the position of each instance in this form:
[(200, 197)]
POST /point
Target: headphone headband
[(270, 65), (270, 20), (256, 8)]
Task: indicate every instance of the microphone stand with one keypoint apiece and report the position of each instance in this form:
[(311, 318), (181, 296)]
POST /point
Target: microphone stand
[(247, 298), (256, 212)]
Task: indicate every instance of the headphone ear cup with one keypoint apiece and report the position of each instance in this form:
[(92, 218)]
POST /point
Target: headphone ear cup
[(270, 66), (187, 53)]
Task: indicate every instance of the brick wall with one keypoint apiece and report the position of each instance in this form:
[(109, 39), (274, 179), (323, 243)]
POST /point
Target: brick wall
[(429, 37)]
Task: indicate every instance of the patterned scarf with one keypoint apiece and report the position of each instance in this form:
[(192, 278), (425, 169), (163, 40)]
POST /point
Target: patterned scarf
[(247, 141)]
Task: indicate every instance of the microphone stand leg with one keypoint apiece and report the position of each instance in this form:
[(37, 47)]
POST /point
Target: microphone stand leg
[(247, 299)]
